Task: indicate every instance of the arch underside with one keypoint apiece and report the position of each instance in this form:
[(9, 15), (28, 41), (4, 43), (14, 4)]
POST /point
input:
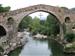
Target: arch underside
[(2, 31)]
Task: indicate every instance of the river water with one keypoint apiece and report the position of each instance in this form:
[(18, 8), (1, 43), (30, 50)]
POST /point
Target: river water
[(42, 48)]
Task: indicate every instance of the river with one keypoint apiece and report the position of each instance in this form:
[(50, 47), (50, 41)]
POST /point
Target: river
[(42, 48)]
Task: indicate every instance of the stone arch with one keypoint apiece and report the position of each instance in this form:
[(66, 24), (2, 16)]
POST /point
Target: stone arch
[(56, 17), (2, 31), (19, 14), (46, 12), (50, 12), (42, 10), (67, 20)]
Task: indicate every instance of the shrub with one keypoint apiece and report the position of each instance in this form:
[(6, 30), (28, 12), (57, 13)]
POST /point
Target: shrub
[(69, 37), (15, 52)]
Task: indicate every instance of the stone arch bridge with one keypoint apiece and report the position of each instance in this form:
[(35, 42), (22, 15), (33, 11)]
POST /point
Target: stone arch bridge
[(10, 21)]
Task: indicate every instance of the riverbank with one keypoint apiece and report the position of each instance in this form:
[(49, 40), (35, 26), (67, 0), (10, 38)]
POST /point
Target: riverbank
[(16, 53), (70, 48), (23, 36), (19, 41), (22, 42), (40, 36)]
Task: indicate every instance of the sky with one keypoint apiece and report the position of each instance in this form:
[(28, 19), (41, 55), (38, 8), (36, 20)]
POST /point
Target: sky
[(16, 4), (40, 15)]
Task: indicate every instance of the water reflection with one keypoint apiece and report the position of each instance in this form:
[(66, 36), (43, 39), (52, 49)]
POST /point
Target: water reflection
[(55, 47), (69, 54), (36, 48), (42, 48)]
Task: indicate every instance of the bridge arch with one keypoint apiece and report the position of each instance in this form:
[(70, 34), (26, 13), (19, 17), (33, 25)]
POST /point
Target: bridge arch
[(2, 31), (19, 14), (58, 21), (50, 12)]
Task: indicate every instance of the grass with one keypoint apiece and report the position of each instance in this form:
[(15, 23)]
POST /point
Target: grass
[(15, 52)]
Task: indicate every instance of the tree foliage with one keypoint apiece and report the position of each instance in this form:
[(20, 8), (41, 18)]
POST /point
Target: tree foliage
[(4, 9), (65, 8), (52, 25), (47, 27), (25, 22), (35, 25), (70, 37)]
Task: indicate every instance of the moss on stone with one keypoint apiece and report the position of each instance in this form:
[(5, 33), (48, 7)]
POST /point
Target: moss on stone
[(1, 49)]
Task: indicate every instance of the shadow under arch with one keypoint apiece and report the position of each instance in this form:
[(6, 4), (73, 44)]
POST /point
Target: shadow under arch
[(2, 31), (67, 20), (56, 48), (10, 20)]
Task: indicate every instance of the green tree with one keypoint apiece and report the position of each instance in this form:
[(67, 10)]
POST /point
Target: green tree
[(42, 22), (52, 25), (70, 37), (64, 8), (4, 9), (25, 22), (42, 27), (35, 25)]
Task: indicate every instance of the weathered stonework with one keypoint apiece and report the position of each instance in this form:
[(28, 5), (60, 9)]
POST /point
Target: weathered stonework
[(19, 14)]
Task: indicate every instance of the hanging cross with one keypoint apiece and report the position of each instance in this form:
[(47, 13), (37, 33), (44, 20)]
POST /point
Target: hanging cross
[(40, 15)]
